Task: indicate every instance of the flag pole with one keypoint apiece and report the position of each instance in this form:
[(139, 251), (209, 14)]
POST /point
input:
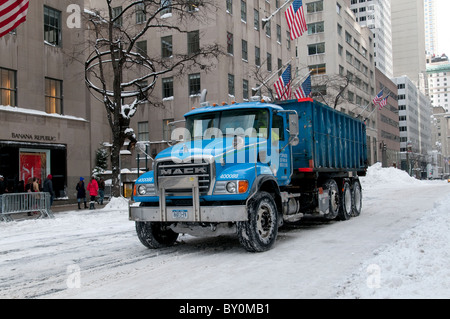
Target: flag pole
[(265, 20), (303, 78), (254, 90)]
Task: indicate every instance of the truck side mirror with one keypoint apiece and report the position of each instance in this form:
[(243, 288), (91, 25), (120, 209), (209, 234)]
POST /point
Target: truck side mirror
[(293, 129)]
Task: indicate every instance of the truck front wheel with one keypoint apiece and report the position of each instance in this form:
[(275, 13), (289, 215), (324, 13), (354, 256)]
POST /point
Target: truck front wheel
[(260, 232), (155, 235)]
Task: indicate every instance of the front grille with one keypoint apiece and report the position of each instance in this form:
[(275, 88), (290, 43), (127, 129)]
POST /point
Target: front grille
[(201, 169)]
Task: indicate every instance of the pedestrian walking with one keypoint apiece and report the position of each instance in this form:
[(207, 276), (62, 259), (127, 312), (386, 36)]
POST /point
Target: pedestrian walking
[(48, 188), (101, 191), (92, 188), (29, 185), (81, 193), (35, 185)]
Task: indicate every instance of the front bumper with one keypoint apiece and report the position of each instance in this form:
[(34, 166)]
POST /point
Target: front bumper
[(212, 214)]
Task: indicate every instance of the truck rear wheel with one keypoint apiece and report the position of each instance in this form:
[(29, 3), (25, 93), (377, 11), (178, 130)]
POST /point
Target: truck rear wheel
[(155, 235), (356, 198), (260, 232), (333, 194), (346, 209)]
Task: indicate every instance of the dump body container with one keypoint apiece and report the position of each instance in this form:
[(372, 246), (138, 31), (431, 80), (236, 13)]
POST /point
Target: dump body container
[(330, 141)]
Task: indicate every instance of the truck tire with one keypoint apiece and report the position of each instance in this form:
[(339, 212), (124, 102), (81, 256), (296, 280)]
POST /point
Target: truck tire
[(334, 199), (260, 232), (356, 198), (155, 235), (346, 207)]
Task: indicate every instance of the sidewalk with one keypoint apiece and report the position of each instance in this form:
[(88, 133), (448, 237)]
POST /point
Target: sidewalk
[(69, 207)]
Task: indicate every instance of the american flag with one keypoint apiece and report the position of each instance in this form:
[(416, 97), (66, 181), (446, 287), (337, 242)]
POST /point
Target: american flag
[(304, 90), (12, 13), (295, 17), (378, 98), (283, 85), (383, 103)]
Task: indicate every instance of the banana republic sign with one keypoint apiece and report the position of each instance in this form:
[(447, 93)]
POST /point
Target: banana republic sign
[(33, 137)]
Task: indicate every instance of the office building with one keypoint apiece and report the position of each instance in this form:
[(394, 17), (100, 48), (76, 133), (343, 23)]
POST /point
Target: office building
[(408, 40), (45, 114), (376, 15)]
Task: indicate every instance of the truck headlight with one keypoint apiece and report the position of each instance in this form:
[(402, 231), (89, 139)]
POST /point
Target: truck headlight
[(231, 187), (142, 189)]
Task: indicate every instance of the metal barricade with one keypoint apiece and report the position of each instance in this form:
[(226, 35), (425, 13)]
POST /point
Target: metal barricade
[(16, 203)]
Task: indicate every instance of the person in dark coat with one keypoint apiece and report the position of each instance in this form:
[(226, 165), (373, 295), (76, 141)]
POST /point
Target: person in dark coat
[(48, 188), (81, 193), (2, 185)]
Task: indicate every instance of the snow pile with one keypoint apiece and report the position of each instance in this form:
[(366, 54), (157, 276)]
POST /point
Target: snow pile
[(412, 267), (117, 203), (382, 176)]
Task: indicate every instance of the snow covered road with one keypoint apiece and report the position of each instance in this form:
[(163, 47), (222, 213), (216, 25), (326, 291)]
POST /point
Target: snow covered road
[(96, 254)]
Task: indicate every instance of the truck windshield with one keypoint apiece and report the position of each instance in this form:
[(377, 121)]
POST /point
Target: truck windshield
[(252, 123)]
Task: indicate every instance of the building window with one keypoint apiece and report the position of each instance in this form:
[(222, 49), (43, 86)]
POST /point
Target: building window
[(231, 90), (53, 96), (243, 11), (269, 62), (268, 29), (167, 129), (193, 42), (166, 6), (288, 38), (317, 27), (52, 26), (166, 47), (320, 90), (141, 48), (194, 84), (245, 89), (257, 56), (317, 48), (140, 13), (316, 6), (230, 44), (8, 88), (256, 20), (117, 14), (278, 33), (230, 6), (167, 87), (143, 131), (244, 50), (192, 5), (318, 69)]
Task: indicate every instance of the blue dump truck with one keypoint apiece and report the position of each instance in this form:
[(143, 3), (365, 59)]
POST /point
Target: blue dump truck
[(248, 168)]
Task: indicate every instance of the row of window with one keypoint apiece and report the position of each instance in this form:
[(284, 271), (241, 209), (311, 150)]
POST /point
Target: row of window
[(53, 91)]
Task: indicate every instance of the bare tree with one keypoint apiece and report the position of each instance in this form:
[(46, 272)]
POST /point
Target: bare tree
[(121, 75)]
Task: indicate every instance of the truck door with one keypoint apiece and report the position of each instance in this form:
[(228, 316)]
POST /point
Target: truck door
[(281, 155)]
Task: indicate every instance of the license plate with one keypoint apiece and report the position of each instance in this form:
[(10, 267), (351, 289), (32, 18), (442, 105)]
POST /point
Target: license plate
[(180, 213)]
